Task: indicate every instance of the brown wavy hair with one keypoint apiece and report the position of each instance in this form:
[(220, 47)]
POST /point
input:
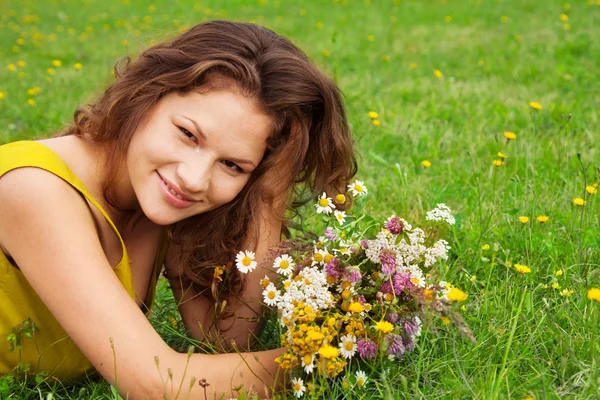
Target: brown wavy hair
[(310, 146)]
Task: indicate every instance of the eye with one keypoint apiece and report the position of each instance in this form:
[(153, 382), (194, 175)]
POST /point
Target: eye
[(188, 134), (233, 166)]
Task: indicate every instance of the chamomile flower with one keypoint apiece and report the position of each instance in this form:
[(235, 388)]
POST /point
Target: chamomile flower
[(308, 363), (284, 264), (324, 204), (319, 256), (298, 387), (361, 378), (245, 262), (347, 346), (340, 216), (270, 295), (358, 188)]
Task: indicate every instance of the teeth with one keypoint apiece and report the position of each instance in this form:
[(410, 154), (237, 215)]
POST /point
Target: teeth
[(173, 191)]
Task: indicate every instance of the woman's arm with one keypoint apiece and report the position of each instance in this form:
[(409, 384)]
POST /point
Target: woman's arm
[(198, 310), (49, 231)]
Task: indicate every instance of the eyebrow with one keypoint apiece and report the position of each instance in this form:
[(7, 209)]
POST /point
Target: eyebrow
[(203, 136)]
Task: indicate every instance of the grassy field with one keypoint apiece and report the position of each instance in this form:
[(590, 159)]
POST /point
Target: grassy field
[(447, 79)]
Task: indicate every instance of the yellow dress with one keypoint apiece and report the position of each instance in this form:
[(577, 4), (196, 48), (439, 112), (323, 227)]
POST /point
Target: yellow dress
[(50, 349)]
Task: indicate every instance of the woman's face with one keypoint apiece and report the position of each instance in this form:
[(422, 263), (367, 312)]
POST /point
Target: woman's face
[(195, 152)]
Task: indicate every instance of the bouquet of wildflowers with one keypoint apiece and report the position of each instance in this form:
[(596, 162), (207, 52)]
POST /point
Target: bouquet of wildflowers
[(356, 294)]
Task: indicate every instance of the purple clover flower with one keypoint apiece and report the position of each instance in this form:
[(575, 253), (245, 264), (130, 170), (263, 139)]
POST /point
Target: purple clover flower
[(396, 344), (330, 234), (401, 281), (388, 261), (364, 243), (334, 267), (366, 348), (409, 344), (392, 317), (410, 327), (395, 225), (354, 275)]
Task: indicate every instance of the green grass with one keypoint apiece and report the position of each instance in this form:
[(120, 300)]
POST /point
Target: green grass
[(532, 341)]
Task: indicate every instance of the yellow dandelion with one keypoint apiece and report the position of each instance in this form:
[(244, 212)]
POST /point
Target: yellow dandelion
[(57, 63), (566, 27), (480, 63), (373, 114), (535, 105), (412, 65), (446, 320), (325, 52), (21, 63), (510, 135), (456, 294), (371, 38), (504, 19), (384, 326), (485, 247), (355, 307), (1, 95), (438, 74), (579, 201), (523, 219), (498, 163), (502, 155), (376, 122), (448, 19), (328, 351), (593, 294), (542, 219), (31, 102), (77, 66), (319, 25), (11, 67), (564, 17), (426, 163), (591, 189), (21, 74), (522, 269), (50, 71)]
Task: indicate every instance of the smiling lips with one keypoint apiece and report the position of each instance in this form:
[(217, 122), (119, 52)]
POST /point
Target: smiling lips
[(176, 192)]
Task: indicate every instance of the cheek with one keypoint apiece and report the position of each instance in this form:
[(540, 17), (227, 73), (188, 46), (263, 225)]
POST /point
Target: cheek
[(224, 190)]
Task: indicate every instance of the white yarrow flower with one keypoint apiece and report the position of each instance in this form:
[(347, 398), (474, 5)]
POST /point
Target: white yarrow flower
[(270, 295), (358, 188), (245, 262), (298, 387), (324, 204), (441, 213), (340, 216), (284, 265)]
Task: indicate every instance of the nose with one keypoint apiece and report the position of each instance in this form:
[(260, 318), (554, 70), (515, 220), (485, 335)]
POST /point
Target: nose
[(194, 174)]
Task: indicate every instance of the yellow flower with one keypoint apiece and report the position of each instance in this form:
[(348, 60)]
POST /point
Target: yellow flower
[(325, 52), (504, 19), (555, 285), (535, 105), (485, 247), (579, 201), (426, 163), (446, 320), (559, 272), (77, 66), (542, 218), (56, 63), (355, 307), (11, 67), (438, 74), (319, 25), (457, 295), (591, 189), (593, 294), (564, 17), (498, 163), (31, 102), (412, 65), (1, 95), (566, 27), (384, 327), (373, 114), (510, 135), (328, 351), (522, 269), (340, 199), (502, 155), (21, 63), (376, 122), (524, 219), (218, 272), (480, 63), (566, 292), (448, 18), (385, 58), (371, 38)]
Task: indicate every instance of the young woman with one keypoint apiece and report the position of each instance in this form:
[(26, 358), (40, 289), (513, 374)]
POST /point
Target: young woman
[(193, 154)]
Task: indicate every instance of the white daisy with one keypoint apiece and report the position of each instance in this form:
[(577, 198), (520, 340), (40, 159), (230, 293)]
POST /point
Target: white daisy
[(324, 204), (270, 295), (298, 387), (358, 188), (319, 256), (340, 216), (361, 378), (308, 363), (347, 345), (244, 261), (284, 265)]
